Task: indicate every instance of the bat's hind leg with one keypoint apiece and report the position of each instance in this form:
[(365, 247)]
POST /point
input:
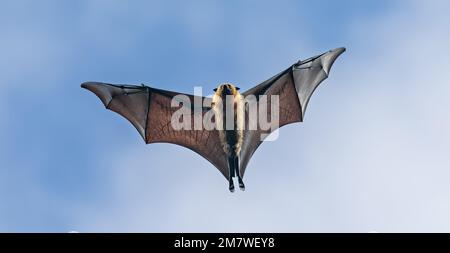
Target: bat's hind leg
[(233, 164), (231, 174), (236, 167), (231, 185)]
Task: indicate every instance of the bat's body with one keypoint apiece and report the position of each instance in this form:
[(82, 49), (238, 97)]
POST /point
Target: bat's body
[(226, 96), (228, 147)]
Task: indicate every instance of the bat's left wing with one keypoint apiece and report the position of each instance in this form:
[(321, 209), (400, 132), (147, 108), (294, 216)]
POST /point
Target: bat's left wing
[(294, 87), (150, 110)]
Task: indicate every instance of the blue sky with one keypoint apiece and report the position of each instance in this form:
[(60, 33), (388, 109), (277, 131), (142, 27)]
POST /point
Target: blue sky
[(371, 154)]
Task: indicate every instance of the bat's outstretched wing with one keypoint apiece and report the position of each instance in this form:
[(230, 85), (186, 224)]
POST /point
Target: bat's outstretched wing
[(294, 87), (150, 111)]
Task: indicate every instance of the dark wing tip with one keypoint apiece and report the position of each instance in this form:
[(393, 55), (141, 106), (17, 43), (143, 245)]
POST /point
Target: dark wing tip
[(328, 58), (84, 85), (338, 50), (90, 85), (99, 89)]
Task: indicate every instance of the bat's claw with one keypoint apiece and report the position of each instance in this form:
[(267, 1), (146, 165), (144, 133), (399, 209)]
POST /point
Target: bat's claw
[(241, 185), (231, 187)]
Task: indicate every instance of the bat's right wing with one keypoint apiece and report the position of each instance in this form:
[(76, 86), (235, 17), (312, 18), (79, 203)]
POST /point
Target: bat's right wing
[(150, 110), (294, 87)]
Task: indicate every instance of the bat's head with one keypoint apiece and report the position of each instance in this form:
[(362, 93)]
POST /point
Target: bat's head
[(226, 89)]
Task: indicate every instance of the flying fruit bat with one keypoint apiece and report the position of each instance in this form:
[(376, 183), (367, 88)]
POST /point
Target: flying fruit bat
[(229, 149)]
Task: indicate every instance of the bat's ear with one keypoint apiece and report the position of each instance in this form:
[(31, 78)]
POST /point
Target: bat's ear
[(237, 88), (215, 89)]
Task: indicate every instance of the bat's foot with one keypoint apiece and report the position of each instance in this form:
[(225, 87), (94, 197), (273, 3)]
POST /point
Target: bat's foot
[(241, 185), (231, 187)]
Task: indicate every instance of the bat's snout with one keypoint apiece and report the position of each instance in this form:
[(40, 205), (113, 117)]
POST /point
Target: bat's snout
[(227, 91)]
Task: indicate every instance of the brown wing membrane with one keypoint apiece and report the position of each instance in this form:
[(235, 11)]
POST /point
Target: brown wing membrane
[(294, 86), (150, 111)]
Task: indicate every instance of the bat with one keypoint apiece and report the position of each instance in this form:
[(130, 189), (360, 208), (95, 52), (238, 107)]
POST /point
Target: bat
[(228, 146)]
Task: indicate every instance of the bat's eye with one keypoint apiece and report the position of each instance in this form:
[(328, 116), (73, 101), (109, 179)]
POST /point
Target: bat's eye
[(237, 88), (215, 89)]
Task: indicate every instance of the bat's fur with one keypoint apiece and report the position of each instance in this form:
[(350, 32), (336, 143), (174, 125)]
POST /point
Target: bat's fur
[(231, 140)]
